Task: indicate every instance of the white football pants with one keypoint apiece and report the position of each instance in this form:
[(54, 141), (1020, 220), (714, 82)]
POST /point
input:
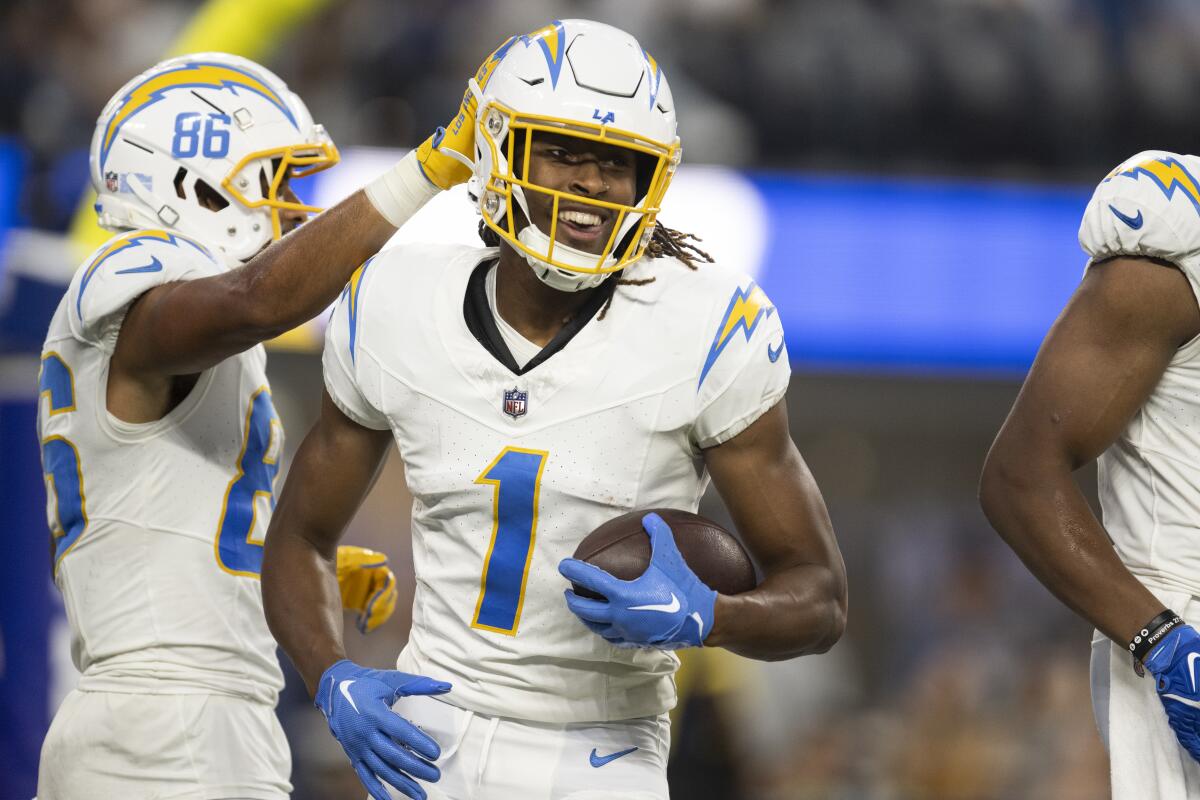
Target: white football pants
[(1147, 761), (178, 746), (495, 758)]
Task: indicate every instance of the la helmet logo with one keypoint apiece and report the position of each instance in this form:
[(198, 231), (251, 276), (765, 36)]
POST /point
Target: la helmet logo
[(516, 402), (606, 118)]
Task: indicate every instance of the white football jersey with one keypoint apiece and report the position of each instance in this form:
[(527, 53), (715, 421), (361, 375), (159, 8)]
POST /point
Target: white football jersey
[(509, 472), (158, 527), (1149, 479)]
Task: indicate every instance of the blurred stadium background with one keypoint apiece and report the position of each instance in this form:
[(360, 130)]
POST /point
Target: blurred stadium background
[(905, 177)]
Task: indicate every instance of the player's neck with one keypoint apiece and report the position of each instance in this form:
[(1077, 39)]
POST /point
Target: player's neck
[(535, 310)]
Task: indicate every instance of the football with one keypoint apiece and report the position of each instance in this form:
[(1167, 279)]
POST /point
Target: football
[(621, 547)]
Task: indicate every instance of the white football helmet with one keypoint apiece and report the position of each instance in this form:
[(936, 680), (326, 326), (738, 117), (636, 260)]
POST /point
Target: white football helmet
[(583, 79), (201, 144)]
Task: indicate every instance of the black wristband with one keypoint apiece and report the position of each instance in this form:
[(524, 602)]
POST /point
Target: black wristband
[(1151, 634)]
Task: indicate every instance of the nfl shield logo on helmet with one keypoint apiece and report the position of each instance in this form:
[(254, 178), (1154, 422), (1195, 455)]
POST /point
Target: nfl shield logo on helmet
[(516, 402)]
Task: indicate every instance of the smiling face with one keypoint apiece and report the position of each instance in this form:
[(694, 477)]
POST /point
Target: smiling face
[(584, 168)]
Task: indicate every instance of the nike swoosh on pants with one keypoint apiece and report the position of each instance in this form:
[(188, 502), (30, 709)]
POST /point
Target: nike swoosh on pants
[(599, 761)]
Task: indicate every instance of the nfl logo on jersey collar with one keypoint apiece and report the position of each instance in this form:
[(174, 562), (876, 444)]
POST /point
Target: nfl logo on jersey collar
[(516, 402)]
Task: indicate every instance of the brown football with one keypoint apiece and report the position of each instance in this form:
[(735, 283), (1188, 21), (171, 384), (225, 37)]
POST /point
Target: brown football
[(622, 548)]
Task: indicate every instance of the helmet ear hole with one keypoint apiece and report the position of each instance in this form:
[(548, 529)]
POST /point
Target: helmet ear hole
[(179, 176), (209, 198)]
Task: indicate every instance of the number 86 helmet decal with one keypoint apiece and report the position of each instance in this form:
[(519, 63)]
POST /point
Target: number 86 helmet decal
[(203, 144)]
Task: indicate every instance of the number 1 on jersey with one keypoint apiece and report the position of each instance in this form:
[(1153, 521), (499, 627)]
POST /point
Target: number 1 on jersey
[(516, 476)]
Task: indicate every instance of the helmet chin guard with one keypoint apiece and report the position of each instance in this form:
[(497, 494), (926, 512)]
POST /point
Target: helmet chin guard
[(583, 80), (553, 276)]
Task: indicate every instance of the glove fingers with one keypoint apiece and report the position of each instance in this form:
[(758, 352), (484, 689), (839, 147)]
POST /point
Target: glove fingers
[(383, 603), (401, 759), (587, 609), (589, 576), (406, 685), (662, 541), (405, 733), (423, 686), (380, 606), (396, 777), (371, 783)]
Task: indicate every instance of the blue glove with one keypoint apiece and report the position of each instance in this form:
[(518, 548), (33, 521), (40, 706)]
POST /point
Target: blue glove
[(1173, 663), (357, 702), (667, 607)]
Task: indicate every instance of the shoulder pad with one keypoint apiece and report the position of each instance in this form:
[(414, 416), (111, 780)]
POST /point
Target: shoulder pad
[(405, 275), (745, 369), (1147, 206), (743, 316), (123, 269)]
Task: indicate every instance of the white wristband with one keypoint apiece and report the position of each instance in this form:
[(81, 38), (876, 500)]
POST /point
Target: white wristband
[(401, 191)]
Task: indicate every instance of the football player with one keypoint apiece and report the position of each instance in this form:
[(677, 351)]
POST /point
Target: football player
[(1118, 380), (160, 444), (580, 367)]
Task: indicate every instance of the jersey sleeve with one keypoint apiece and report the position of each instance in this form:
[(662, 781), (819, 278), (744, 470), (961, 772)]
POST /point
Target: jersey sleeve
[(1147, 206), (745, 370), (351, 375), (122, 270)]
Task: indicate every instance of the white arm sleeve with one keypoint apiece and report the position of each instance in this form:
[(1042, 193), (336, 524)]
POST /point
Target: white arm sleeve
[(352, 375), (745, 371)]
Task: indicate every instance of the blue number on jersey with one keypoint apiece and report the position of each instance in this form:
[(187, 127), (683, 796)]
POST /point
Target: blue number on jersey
[(515, 476), (60, 459), (258, 464)]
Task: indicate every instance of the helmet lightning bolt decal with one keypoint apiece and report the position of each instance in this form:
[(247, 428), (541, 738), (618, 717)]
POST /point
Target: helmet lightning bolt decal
[(746, 309), (195, 75), (654, 75), (553, 40), (1168, 174)]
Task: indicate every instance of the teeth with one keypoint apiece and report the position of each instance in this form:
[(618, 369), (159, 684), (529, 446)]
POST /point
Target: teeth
[(579, 217)]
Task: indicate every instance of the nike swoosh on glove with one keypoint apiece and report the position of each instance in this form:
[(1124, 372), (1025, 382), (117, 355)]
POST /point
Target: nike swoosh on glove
[(1175, 664), (666, 607), (367, 585), (357, 702)]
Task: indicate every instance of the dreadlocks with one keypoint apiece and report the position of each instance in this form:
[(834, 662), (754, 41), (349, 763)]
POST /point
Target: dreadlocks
[(670, 243)]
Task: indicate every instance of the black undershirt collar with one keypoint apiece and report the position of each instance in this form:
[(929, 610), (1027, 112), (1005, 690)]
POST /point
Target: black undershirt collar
[(478, 314)]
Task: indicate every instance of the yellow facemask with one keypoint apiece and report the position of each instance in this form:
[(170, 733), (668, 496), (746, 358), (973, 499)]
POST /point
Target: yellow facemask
[(497, 120), (291, 161)]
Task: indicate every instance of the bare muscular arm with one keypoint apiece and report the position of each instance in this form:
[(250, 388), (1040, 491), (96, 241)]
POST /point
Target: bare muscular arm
[(332, 473), (1098, 364), (186, 327), (800, 607)]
